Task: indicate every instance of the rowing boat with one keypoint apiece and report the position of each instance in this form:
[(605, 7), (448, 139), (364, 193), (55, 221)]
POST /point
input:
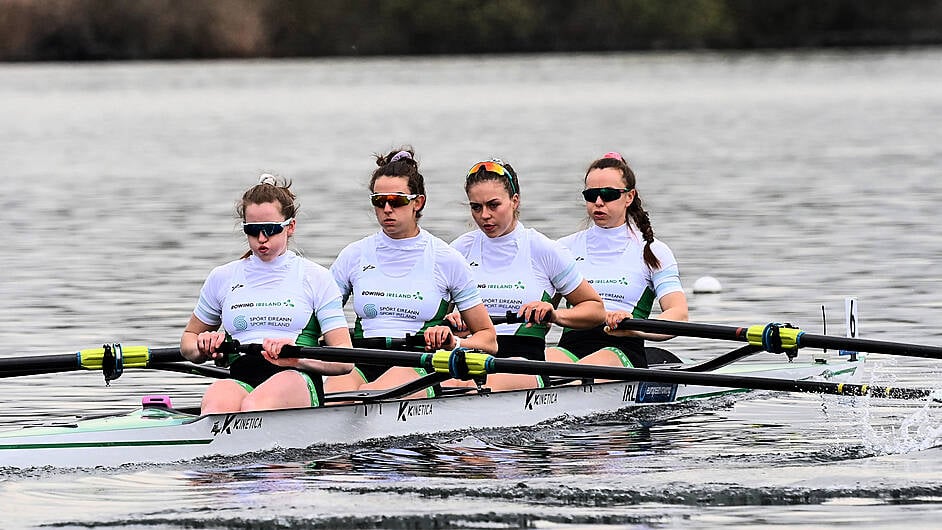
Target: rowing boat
[(156, 433)]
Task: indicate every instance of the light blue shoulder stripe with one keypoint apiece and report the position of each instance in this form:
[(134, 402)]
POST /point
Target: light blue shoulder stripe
[(667, 280), (568, 280)]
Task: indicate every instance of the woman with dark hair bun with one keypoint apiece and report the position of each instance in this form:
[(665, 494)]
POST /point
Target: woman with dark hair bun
[(623, 261), (404, 280)]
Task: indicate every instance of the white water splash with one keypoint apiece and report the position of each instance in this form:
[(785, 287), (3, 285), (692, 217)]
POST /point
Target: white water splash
[(898, 427)]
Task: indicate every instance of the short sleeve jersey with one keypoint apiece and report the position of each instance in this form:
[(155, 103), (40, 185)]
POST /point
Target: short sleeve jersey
[(289, 296), (516, 268), (612, 260), (402, 286)]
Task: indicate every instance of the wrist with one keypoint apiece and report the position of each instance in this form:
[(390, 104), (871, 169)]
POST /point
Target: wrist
[(457, 343)]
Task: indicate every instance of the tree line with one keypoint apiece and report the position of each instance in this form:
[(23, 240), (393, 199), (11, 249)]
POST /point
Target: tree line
[(77, 30)]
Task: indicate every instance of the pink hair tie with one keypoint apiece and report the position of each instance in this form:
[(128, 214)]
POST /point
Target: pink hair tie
[(613, 154), (399, 156)]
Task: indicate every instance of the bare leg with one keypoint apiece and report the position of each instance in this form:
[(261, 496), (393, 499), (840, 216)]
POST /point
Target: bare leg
[(555, 355), (284, 390), (343, 383), (395, 376), (223, 396)]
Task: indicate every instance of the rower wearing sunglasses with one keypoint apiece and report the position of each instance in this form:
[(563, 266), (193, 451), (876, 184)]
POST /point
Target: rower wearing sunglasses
[(519, 270), (273, 297), (404, 280), (627, 266)]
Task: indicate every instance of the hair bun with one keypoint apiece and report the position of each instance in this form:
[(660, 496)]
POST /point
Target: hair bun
[(400, 155), (268, 178)]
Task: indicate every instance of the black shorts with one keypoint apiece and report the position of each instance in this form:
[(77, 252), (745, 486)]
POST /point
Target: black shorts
[(532, 348), (254, 370), (582, 342)]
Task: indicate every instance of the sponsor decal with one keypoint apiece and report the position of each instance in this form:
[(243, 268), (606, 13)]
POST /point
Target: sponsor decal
[(389, 294), (235, 422), (536, 398), (605, 281), (629, 394), (518, 285), (656, 392), (408, 410), (236, 286), (240, 323), (368, 267)]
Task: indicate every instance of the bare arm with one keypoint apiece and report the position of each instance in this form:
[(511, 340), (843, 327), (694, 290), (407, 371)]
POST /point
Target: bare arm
[(673, 307), (587, 310), (200, 341), (340, 338)]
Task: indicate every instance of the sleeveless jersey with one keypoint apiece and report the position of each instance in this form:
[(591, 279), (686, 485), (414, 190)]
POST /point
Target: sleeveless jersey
[(402, 286), (288, 297), (517, 268), (612, 260)]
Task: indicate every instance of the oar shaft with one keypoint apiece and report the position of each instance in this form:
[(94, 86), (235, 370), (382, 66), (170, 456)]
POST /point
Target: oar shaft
[(807, 340), (40, 363), (90, 359), (802, 339), (586, 371)]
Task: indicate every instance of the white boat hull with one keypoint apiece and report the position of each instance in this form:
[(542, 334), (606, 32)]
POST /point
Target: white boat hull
[(158, 435)]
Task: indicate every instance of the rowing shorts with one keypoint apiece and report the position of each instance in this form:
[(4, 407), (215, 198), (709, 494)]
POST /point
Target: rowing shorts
[(532, 348), (250, 371), (585, 341)]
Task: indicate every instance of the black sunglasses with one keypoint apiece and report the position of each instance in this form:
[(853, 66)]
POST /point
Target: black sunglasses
[(269, 229), (607, 194)]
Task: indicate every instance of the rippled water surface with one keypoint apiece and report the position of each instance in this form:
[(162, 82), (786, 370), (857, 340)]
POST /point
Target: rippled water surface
[(796, 179)]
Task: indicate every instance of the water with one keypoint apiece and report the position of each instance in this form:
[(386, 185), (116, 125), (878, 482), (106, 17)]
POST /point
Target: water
[(795, 178)]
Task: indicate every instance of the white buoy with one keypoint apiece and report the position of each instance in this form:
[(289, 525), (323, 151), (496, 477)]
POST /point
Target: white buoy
[(707, 284)]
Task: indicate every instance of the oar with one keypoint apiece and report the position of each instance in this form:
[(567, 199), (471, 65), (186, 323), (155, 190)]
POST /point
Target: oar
[(463, 364), (110, 359), (778, 337)]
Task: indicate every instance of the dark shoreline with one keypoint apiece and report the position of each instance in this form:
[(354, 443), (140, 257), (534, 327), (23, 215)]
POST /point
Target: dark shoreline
[(106, 30)]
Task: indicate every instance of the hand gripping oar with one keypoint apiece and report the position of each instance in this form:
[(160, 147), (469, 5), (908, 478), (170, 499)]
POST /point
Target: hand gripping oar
[(777, 338), (463, 364), (111, 359)]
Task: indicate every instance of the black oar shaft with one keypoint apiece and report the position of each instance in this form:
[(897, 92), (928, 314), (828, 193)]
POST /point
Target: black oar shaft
[(804, 339), (587, 371), (515, 366), (808, 340), (64, 362), (38, 364)]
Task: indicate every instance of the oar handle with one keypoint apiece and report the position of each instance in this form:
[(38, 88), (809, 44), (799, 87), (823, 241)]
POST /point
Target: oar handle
[(687, 329)]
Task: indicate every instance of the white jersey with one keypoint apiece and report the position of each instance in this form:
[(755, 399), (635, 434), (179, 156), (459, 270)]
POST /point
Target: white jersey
[(612, 260), (402, 286), (514, 269), (289, 296)]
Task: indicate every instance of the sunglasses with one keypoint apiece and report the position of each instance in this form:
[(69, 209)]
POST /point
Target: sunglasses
[(396, 200), (493, 167), (269, 229), (607, 194)]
